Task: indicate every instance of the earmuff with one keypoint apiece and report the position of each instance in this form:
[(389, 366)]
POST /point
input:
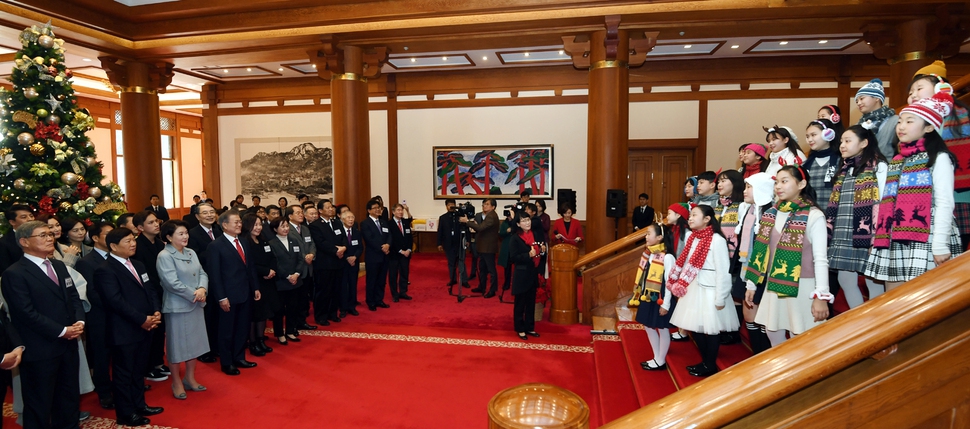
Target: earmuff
[(827, 133), (941, 85), (835, 118)]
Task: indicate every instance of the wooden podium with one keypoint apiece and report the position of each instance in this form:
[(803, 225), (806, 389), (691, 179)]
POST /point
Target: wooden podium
[(562, 281)]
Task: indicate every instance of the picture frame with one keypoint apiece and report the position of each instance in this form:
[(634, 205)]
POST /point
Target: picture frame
[(501, 172)]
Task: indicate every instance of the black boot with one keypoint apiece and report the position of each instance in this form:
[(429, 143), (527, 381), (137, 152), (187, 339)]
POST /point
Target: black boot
[(262, 345)]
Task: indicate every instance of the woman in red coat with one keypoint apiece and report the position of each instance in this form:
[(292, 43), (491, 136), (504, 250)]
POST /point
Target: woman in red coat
[(566, 229)]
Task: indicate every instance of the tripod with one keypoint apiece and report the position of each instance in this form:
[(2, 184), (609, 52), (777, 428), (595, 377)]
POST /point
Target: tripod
[(462, 277)]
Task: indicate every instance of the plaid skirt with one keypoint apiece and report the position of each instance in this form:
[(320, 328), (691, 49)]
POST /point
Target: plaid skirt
[(962, 215), (902, 262)]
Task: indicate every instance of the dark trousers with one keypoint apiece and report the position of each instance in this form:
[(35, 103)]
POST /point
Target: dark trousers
[(305, 296), (127, 375), (51, 391), (348, 287), (398, 274), (326, 293), (452, 255), (156, 352), (233, 331), (475, 255), (376, 282), (212, 315), (289, 311), (708, 345), (95, 329), (507, 281), (486, 270), (524, 311)]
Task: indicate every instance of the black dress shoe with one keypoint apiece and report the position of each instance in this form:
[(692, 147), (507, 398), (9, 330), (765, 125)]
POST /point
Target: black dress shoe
[(208, 358), (262, 346), (478, 290), (395, 299), (451, 283), (256, 351), (533, 333), (356, 302), (695, 367), (489, 295), (372, 308), (342, 314), (335, 319), (383, 304), (230, 370), (107, 403), (353, 312), (405, 296), (245, 364), (704, 371), (149, 411), (652, 365), (293, 339), (306, 327), (133, 420)]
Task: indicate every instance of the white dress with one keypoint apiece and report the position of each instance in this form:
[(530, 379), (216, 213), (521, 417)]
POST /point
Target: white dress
[(696, 311), (794, 314)]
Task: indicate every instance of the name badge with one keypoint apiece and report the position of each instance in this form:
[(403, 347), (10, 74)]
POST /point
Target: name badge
[(144, 277), (267, 249), (829, 174), (384, 230), (336, 232), (306, 239), (296, 249), (407, 231), (69, 282), (353, 242)]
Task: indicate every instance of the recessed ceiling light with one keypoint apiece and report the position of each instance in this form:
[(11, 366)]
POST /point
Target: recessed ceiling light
[(280, 69), (86, 59), (822, 42), (687, 46), (413, 60), (444, 58), (485, 58), (225, 70), (526, 54), (735, 46), (562, 52), (405, 48), (249, 69), (314, 66), (782, 43)]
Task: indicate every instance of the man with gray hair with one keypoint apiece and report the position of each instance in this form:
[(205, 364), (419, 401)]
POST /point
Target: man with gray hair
[(46, 311)]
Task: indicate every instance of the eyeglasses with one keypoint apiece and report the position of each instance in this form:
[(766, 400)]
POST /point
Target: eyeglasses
[(44, 235)]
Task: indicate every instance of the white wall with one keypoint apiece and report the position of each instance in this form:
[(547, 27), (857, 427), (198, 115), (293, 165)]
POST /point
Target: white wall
[(731, 123), (664, 120)]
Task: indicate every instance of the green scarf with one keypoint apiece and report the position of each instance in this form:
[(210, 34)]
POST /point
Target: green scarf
[(786, 267)]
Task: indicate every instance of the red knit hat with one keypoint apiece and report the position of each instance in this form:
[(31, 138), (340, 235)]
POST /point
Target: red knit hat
[(757, 148), (932, 109), (683, 209)]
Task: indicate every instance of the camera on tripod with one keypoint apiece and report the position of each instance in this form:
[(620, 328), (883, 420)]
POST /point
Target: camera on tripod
[(520, 206), (465, 210)]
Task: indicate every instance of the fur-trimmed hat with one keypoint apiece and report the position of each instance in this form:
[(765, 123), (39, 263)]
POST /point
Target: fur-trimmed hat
[(932, 109), (873, 89)]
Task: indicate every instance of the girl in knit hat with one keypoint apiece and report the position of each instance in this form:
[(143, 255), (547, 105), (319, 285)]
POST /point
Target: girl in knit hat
[(851, 215), (757, 198), (690, 188), (916, 231), (823, 160), (956, 133), (702, 284), (784, 148), (789, 257), (878, 117), (656, 302), (754, 159)]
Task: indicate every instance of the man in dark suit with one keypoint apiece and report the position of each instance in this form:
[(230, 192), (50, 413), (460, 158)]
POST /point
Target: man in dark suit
[(449, 240), (149, 245), (232, 280), (46, 311), (308, 250), (10, 250), (95, 321), (9, 340), (486, 242), (328, 237), (402, 243), (643, 214), (377, 245), (351, 265), (128, 295), (199, 239), (160, 212)]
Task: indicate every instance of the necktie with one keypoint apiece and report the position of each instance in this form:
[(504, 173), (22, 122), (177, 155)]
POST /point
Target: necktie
[(297, 229), (349, 235), (132, 269), (210, 235), (400, 227), (50, 272), (239, 249)]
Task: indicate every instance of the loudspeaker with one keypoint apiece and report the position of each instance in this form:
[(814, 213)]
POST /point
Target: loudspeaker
[(566, 196), (615, 203)]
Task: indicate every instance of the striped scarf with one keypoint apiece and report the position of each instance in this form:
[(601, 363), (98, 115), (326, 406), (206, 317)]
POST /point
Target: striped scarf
[(728, 216), (685, 271), (786, 267), (864, 197), (650, 276), (904, 213), (956, 133)]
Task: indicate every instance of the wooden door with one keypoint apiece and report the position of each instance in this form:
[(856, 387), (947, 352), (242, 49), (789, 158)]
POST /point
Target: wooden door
[(661, 174)]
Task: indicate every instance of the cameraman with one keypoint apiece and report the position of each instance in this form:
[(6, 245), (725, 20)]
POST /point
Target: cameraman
[(449, 239), (486, 242)]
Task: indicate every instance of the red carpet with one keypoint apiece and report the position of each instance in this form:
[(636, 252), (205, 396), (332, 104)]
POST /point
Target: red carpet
[(429, 363), (617, 395), (650, 385)]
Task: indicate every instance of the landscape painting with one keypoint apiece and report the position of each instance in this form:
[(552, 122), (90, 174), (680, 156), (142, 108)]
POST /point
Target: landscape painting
[(285, 167), (499, 171)]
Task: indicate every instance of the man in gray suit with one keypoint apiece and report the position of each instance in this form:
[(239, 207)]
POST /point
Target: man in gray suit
[(300, 232), (486, 242)]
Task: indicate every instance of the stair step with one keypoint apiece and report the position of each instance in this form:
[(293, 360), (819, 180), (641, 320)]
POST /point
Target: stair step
[(650, 385), (617, 394), (730, 355), (680, 355)]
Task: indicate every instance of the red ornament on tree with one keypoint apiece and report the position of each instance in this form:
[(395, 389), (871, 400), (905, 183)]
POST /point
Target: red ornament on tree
[(46, 205), (82, 190), (48, 131)]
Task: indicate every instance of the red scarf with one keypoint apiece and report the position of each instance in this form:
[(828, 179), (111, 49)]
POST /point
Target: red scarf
[(751, 170), (530, 241), (685, 271)]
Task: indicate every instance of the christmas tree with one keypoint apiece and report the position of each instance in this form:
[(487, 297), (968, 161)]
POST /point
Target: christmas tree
[(46, 161)]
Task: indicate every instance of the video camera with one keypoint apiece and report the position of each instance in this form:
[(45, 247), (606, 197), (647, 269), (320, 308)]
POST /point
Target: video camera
[(519, 206), (465, 210)]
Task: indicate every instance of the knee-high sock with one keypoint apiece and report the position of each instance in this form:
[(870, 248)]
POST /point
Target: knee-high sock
[(777, 337), (875, 289), (654, 339), (660, 353), (849, 282), (756, 334)]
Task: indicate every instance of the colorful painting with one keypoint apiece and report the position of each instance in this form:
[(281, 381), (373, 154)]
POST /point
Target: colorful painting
[(503, 171)]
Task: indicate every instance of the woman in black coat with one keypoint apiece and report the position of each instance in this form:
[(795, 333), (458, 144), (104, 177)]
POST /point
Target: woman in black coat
[(524, 254), (268, 307), (289, 277)]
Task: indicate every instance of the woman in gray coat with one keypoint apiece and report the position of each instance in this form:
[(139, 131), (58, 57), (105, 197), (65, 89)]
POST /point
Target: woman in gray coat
[(184, 288)]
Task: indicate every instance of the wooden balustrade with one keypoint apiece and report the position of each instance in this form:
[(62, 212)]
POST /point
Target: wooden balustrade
[(611, 249), (918, 336), (608, 274)]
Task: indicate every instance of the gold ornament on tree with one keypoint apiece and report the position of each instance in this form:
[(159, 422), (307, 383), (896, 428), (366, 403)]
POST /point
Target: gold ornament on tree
[(65, 205), (31, 93), (92, 161), (45, 41), (94, 192), (26, 118), (25, 139), (38, 149), (19, 184), (69, 178), (54, 119), (42, 113)]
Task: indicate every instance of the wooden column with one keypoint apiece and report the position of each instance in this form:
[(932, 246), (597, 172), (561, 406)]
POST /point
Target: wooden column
[(562, 278), (211, 180), (393, 182), (140, 84)]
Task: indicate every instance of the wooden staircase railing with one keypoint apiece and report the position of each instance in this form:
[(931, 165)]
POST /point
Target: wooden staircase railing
[(897, 361), (608, 273)]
